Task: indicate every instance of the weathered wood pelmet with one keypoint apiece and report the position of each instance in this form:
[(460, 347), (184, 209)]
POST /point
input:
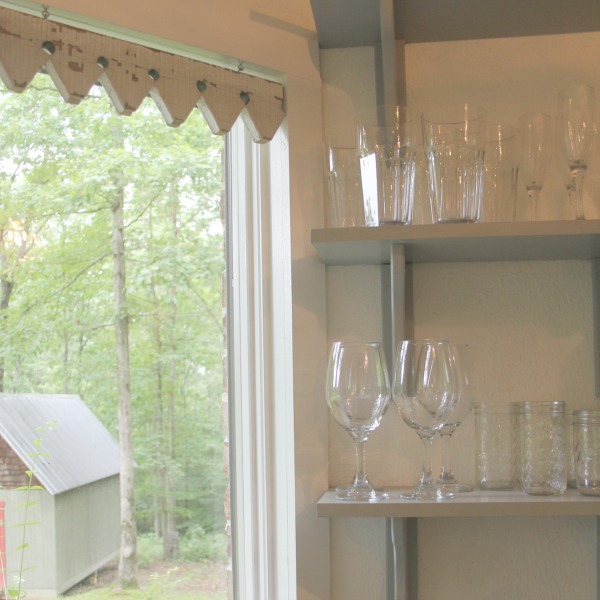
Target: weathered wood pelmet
[(76, 59)]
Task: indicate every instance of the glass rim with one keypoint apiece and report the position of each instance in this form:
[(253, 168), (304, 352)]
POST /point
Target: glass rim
[(370, 117), (494, 407), (449, 115), (542, 405)]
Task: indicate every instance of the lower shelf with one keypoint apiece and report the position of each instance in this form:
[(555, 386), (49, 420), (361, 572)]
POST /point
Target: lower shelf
[(471, 504)]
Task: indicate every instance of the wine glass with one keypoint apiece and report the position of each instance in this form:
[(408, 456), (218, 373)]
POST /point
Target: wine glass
[(424, 389), (461, 409), (577, 128), (561, 168), (358, 392), (536, 150)]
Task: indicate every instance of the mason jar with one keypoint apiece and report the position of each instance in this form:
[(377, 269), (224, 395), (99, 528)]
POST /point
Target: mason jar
[(543, 448), (586, 442), (494, 433)]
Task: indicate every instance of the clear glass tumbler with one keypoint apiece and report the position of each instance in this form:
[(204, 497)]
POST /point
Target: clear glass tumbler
[(542, 442), (387, 144), (454, 141), (345, 208), (494, 433), (586, 439)]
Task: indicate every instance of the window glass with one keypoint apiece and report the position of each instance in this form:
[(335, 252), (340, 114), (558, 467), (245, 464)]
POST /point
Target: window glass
[(73, 179)]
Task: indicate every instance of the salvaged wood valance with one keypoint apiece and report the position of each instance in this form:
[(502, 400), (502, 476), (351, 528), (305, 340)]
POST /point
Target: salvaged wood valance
[(76, 59)]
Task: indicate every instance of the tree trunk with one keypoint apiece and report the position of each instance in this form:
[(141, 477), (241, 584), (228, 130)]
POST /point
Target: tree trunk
[(170, 533), (128, 553), (6, 288)]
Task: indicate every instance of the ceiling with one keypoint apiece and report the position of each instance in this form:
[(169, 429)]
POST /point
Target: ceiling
[(348, 23)]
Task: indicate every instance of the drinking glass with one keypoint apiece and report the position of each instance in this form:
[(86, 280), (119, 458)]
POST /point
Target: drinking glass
[(536, 150), (424, 391), (358, 391), (455, 417), (387, 142), (501, 172), (577, 127), (560, 166), (346, 207), (454, 143)]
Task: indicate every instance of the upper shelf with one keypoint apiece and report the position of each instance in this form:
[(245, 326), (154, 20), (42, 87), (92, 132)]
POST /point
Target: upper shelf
[(460, 242), (471, 504)]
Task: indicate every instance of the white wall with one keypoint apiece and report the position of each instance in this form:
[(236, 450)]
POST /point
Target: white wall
[(530, 323)]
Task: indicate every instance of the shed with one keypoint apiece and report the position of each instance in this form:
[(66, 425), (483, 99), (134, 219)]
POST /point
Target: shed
[(73, 523)]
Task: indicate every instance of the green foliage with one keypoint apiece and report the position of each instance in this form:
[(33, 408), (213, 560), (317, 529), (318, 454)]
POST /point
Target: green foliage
[(198, 545), (62, 168), (149, 549)]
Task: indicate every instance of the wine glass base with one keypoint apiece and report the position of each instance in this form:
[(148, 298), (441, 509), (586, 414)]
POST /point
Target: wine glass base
[(430, 493), (360, 494), (455, 488), (452, 486)]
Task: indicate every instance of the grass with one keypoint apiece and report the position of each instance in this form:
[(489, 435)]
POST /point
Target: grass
[(111, 594), (202, 580)]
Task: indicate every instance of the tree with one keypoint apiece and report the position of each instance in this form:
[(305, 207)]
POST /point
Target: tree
[(101, 192)]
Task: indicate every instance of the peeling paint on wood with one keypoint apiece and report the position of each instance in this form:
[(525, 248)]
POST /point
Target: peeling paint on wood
[(75, 66)]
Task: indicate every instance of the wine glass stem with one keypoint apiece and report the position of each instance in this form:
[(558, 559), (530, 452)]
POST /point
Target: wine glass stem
[(578, 175), (447, 473), (533, 196), (360, 475), (427, 469)]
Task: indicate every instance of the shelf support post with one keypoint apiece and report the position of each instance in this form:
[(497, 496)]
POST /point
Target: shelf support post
[(596, 320), (401, 327), (401, 532), (401, 554)]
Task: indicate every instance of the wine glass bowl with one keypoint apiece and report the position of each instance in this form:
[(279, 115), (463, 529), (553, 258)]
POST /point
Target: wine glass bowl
[(358, 392), (424, 390)]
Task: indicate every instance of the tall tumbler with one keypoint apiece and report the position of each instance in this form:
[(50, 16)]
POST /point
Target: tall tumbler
[(586, 442), (454, 142), (543, 448), (345, 207), (387, 142), (501, 165), (495, 456)]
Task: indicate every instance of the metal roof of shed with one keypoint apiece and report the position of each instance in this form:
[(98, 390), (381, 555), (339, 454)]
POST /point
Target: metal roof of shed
[(77, 450)]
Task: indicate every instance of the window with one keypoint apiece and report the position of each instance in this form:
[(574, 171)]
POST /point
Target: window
[(261, 361)]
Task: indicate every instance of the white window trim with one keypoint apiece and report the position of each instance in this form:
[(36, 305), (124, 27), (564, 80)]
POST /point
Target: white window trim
[(260, 369)]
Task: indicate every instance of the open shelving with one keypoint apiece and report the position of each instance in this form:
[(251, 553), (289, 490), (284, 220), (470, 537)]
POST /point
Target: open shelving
[(398, 245)]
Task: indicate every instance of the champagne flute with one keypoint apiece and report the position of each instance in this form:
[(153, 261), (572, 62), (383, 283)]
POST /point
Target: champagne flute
[(536, 150), (456, 416), (424, 390), (358, 392), (561, 167), (577, 128)]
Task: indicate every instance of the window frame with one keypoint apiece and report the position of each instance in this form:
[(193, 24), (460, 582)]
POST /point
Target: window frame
[(237, 34), (260, 368)]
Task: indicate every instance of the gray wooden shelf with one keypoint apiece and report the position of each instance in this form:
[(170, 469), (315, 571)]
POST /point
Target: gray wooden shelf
[(471, 504), (460, 242)]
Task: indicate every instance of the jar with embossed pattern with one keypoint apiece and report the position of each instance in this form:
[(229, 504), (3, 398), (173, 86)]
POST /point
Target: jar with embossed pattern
[(586, 438), (543, 449)]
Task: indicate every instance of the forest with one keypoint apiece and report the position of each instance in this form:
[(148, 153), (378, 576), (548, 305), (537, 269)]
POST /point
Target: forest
[(74, 295)]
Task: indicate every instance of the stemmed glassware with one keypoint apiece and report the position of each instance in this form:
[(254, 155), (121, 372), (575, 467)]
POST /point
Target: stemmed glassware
[(536, 150), (425, 389), (358, 391), (455, 417), (577, 127), (561, 167)]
